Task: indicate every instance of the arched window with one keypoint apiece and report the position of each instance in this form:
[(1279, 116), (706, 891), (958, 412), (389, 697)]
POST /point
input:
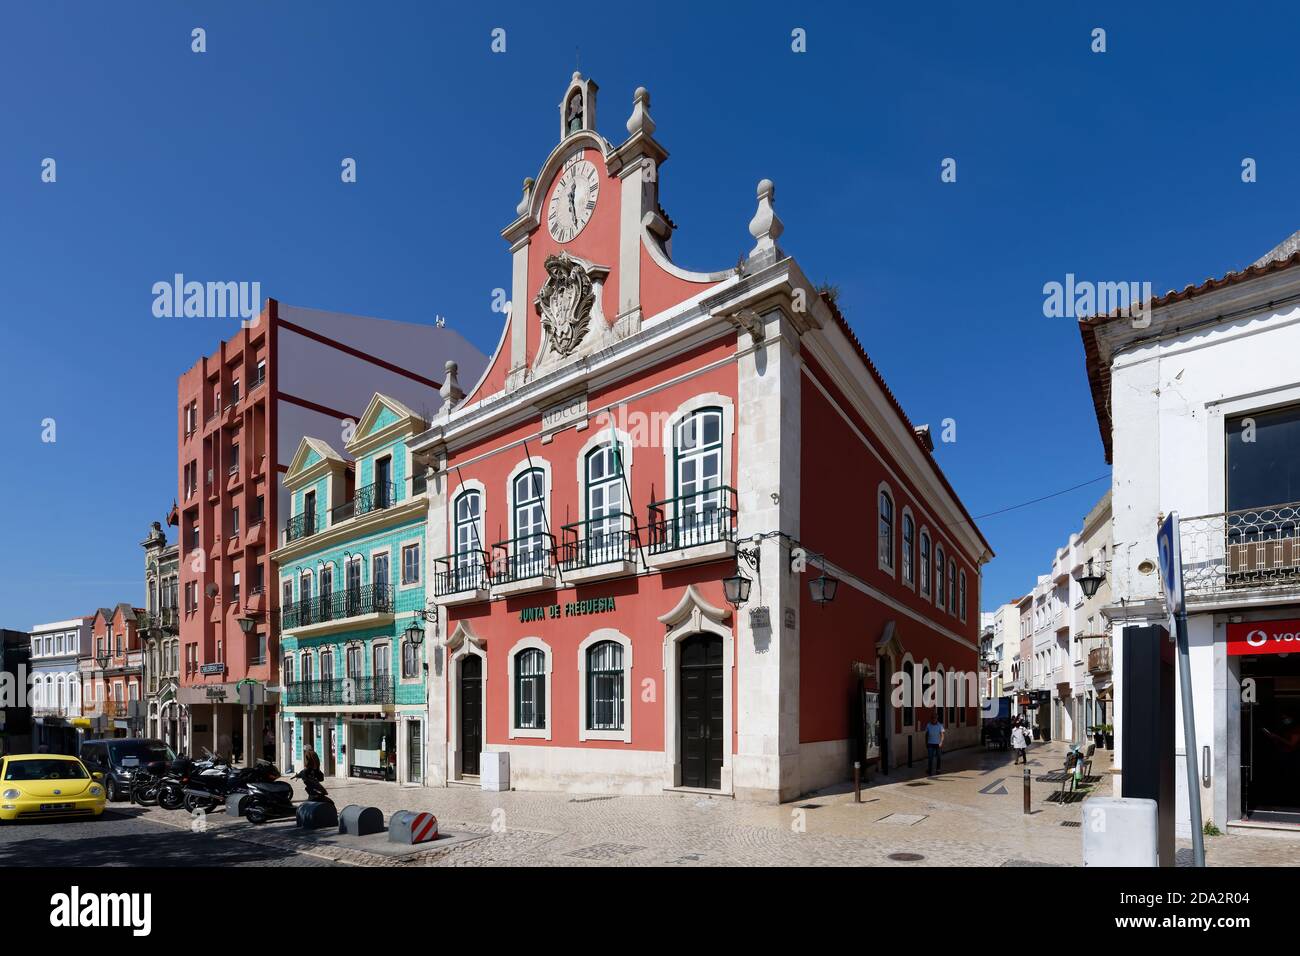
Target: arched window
[(940, 593), (909, 693), (697, 472), (604, 478), (605, 686), (886, 545), (530, 688), (528, 501), (961, 594), (925, 564), (909, 549), (467, 518), (952, 586)]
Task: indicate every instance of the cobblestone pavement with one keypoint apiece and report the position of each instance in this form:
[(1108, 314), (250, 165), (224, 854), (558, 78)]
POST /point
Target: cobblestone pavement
[(969, 815)]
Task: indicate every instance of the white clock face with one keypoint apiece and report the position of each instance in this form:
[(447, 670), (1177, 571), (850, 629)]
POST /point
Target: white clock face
[(573, 201)]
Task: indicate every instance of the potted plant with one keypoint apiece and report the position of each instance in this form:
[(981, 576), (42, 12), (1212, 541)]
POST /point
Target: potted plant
[(1109, 732), (1098, 737)]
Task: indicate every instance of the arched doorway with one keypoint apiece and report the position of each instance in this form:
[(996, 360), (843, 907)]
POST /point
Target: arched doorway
[(701, 721), (471, 713)]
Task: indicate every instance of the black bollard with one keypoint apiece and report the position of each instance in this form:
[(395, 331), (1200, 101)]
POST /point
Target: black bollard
[(1026, 790)]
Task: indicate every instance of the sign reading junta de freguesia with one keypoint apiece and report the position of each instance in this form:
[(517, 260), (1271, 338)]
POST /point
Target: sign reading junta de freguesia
[(572, 609)]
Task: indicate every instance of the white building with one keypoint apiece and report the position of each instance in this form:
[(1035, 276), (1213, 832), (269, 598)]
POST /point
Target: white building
[(56, 682), (1198, 402)]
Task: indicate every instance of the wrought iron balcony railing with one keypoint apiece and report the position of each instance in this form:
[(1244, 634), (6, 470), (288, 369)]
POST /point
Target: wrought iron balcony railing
[(705, 517), (524, 557), (338, 606), (598, 541), (340, 692), (370, 498), (302, 526), (467, 571), (1251, 548)]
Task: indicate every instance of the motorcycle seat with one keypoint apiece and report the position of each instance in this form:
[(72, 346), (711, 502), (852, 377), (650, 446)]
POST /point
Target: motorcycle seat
[(274, 789)]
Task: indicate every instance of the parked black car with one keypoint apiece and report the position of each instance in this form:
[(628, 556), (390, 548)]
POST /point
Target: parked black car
[(120, 758)]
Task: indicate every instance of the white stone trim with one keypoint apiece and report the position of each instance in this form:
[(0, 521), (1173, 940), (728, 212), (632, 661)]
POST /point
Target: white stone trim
[(595, 637), (461, 644), (525, 643), (401, 563), (694, 615)]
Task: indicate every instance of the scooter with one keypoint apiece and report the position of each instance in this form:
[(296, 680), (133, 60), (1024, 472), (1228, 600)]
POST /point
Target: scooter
[(273, 800)]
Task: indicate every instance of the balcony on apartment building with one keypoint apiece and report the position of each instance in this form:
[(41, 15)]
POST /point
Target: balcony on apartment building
[(166, 618), (1231, 553), (462, 578), (1099, 661), (521, 564), (599, 548), (341, 692), (371, 498), (339, 610), (690, 528)]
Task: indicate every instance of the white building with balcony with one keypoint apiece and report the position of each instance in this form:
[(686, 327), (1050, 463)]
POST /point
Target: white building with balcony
[(1198, 401)]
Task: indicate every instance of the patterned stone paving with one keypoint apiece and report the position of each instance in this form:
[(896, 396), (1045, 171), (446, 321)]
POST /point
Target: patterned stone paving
[(970, 815)]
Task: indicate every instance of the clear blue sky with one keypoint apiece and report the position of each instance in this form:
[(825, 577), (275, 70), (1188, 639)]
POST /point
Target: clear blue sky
[(1115, 166)]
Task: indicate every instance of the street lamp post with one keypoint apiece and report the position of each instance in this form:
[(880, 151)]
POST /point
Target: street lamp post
[(415, 634)]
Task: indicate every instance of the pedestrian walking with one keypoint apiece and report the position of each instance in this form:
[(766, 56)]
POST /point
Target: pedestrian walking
[(311, 763), (1019, 743), (934, 733)]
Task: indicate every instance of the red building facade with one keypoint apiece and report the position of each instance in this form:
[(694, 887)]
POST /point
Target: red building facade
[(642, 434), (114, 674)]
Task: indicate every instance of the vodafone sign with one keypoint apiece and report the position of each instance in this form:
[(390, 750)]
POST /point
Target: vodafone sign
[(1264, 637)]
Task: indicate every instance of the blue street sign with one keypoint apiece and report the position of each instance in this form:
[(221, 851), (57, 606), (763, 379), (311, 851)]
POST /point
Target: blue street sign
[(1171, 563)]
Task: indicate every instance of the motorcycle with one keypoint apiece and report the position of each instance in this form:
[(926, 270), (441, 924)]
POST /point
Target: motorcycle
[(194, 784), (273, 799), (146, 782)]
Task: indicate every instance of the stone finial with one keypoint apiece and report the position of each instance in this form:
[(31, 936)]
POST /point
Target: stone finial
[(522, 208), (640, 121), (766, 226), (451, 391)]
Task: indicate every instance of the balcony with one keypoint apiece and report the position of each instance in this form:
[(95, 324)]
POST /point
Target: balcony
[(693, 528), (461, 578), (525, 563), (370, 498), (166, 619), (302, 526), (346, 692), (338, 610), (1256, 548), (1099, 661), (599, 548)]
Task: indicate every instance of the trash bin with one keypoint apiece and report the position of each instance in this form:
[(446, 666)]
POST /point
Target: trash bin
[(409, 827), (356, 820)]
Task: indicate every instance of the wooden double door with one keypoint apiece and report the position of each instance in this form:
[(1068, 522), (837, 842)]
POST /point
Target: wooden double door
[(700, 692)]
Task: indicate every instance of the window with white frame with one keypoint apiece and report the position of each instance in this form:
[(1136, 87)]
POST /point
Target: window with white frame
[(411, 563), (410, 660), (952, 586), (528, 495), (697, 471), (961, 595), (468, 539), (288, 669), (909, 549), (925, 563), (604, 475), (940, 593), (885, 547)]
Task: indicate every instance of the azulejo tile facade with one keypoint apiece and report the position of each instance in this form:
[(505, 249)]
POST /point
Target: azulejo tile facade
[(352, 588)]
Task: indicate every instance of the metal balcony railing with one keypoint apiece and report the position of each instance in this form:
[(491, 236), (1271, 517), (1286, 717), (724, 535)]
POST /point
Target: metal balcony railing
[(370, 498), (467, 571), (1099, 660), (338, 606), (302, 526), (341, 692), (705, 517), (597, 541), (527, 556), (1250, 548)]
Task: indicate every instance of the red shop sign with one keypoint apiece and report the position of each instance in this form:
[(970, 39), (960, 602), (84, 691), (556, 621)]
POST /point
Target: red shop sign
[(1264, 637)]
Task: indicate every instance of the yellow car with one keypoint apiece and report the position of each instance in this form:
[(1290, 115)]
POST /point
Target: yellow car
[(35, 786)]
